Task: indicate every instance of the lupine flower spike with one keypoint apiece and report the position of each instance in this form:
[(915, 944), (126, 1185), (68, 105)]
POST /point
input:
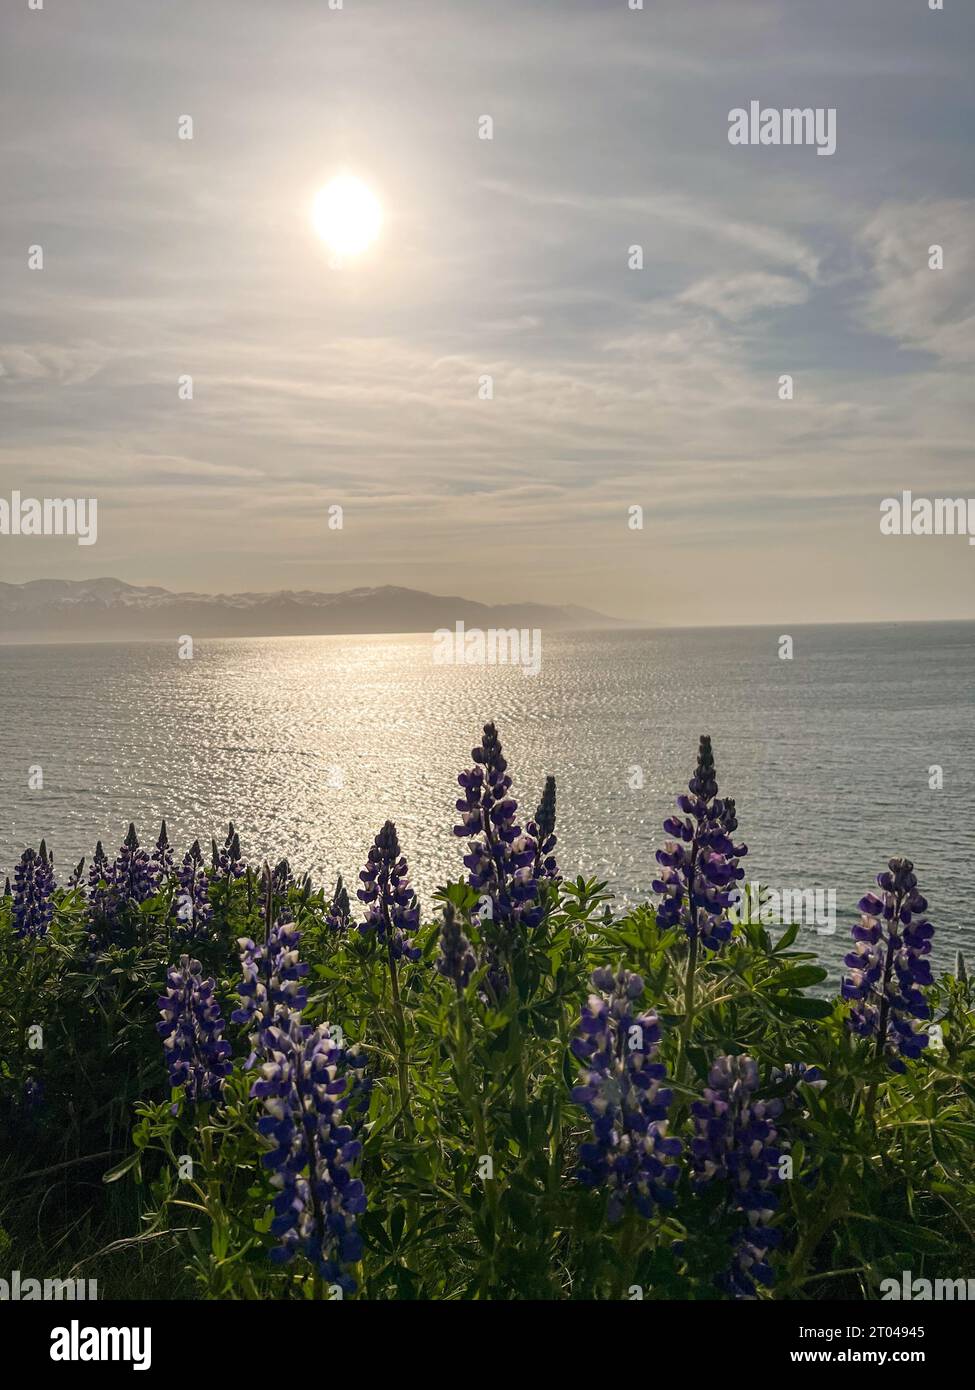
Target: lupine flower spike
[(889, 967), (391, 906), (102, 895), (623, 1090), (272, 988), (699, 863), (736, 1143), (501, 857), (192, 909), (162, 858), (312, 1090), (134, 876), (33, 893), (229, 862), (282, 878), (339, 915), (192, 1033), (392, 915), (542, 831), (309, 1090), (456, 961)]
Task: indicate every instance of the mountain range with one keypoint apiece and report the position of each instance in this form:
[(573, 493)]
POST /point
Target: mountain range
[(57, 610)]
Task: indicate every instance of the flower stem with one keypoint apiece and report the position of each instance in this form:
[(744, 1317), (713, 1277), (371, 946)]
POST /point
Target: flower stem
[(474, 1105), (402, 1058), (688, 1021), (892, 942)]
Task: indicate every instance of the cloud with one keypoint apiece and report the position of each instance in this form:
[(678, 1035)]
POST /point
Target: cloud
[(738, 297), (612, 387), (919, 307), (59, 363), (663, 209)]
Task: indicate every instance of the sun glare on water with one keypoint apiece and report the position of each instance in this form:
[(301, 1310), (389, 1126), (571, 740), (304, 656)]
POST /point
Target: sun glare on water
[(346, 215)]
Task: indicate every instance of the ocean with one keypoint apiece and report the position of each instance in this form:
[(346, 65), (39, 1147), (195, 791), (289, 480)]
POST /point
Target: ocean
[(309, 744)]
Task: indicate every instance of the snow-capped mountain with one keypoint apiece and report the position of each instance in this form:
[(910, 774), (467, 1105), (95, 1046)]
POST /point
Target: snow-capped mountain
[(111, 610)]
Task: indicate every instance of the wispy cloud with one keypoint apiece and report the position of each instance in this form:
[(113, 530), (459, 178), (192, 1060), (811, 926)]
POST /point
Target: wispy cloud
[(912, 299), (507, 259), (738, 297)]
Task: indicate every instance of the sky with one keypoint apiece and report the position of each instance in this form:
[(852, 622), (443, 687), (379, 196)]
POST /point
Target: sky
[(360, 385)]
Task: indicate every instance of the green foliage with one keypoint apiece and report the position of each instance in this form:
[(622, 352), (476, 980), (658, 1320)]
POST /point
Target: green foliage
[(471, 1136)]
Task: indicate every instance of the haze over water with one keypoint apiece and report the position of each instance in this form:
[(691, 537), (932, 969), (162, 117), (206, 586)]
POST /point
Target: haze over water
[(828, 755)]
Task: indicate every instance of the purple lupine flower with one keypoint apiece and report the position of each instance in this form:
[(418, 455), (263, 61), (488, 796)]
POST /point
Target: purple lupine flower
[(339, 915), (191, 906), (501, 854), (456, 961), (271, 990), (282, 878), (191, 1030), (232, 859), (103, 898), (501, 857), (161, 860), (794, 1074), (228, 862), (33, 893), (542, 831), (736, 1143), (310, 1093), (391, 907), (699, 863), (134, 877), (77, 873), (623, 1090), (889, 966), (787, 1081)]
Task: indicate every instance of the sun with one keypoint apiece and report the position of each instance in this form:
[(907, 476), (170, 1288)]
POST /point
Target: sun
[(346, 215)]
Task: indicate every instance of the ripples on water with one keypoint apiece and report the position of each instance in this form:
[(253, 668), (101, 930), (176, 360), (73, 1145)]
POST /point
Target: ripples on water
[(828, 755)]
